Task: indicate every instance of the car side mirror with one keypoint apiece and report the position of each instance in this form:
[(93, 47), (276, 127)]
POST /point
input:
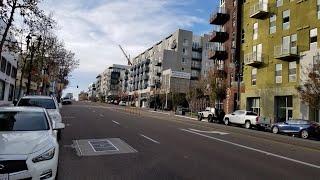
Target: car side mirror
[(58, 126)]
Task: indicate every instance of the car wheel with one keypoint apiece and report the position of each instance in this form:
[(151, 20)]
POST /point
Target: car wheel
[(304, 134), (247, 125), (210, 119), (275, 130), (226, 121), (199, 117)]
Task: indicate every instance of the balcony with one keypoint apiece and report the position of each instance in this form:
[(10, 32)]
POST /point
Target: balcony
[(158, 63), (288, 53), (196, 67), (253, 59), (219, 36), (146, 77), (259, 10), (219, 73), (218, 53), (220, 17)]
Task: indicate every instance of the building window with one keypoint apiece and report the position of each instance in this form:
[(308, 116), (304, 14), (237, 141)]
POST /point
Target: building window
[(313, 38), (257, 52), (318, 9), (254, 105), (3, 65), (8, 69), (242, 36), (289, 44), (14, 72), (292, 71), (185, 42), (254, 76), (273, 24), (255, 31), (279, 3), (2, 89), (278, 73), (286, 19), (184, 51), (10, 97)]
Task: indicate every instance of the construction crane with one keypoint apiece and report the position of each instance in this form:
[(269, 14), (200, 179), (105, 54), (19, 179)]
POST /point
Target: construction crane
[(127, 57)]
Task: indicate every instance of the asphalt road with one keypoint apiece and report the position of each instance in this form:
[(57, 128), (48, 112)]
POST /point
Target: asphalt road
[(171, 148)]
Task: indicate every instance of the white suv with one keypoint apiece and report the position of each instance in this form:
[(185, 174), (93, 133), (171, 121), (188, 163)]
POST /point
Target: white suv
[(47, 102), (29, 148)]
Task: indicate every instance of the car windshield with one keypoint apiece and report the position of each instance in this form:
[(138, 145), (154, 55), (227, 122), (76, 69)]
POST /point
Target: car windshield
[(23, 121), (44, 103)]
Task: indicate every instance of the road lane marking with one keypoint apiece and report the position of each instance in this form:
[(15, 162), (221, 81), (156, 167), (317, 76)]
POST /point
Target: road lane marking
[(210, 132), (101, 115), (253, 149), (116, 122), (79, 148), (157, 142)]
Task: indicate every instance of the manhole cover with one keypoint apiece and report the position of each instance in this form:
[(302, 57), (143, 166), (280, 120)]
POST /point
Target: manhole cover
[(102, 145), (96, 147)]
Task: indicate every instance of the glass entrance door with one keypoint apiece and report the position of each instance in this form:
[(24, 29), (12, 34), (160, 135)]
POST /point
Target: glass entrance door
[(284, 108)]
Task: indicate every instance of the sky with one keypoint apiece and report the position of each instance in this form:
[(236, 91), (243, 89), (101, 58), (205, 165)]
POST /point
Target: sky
[(92, 29)]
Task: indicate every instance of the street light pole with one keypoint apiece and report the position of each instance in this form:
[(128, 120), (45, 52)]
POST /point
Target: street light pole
[(31, 61)]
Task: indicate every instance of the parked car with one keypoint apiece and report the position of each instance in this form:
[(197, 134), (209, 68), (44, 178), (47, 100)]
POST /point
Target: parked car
[(29, 146), (242, 117), (66, 100), (182, 110), (303, 128), (47, 102), (209, 113), (122, 103)]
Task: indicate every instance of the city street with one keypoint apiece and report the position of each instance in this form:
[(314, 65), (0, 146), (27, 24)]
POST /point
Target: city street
[(167, 148)]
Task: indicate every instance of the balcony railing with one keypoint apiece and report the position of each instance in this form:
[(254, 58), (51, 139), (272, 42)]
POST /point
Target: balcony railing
[(219, 17), (218, 36), (196, 66), (259, 10), (253, 59), (286, 53), (218, 53)]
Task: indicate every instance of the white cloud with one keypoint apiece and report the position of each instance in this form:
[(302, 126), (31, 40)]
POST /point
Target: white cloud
[(94, 28)]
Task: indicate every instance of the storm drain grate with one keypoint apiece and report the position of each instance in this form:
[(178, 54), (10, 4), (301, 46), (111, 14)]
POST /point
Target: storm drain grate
[(102, 145), (97, 147)]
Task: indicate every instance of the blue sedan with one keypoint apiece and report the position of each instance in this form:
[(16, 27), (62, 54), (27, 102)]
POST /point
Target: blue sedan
[(303, 128)]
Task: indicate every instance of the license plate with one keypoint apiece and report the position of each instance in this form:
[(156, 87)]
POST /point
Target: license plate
[(4, 176)]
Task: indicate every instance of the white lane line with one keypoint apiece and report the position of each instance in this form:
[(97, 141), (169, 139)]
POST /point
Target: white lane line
[(210, 132), (256, 150), (79, 148), (101, 115), (150, 139), (115, 122)]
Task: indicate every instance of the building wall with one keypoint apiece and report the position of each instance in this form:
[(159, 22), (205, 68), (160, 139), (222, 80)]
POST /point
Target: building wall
[(266, 87)]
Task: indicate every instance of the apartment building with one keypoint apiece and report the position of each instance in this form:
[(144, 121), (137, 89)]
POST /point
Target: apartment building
[(113, 80), (278, 45), (98, 86), (226, 54), (171, 65)]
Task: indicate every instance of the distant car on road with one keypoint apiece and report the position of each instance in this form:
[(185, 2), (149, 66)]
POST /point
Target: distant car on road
[(122, 103), (29, 148), (47, 102), (242, 117), (303, 128), (66, 100)]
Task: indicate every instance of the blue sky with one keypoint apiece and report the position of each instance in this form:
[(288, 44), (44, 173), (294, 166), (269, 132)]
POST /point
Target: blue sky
[(94, 28)]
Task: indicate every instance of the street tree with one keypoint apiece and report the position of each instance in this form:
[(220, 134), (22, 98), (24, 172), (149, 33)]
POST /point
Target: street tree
[(310, 89)]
